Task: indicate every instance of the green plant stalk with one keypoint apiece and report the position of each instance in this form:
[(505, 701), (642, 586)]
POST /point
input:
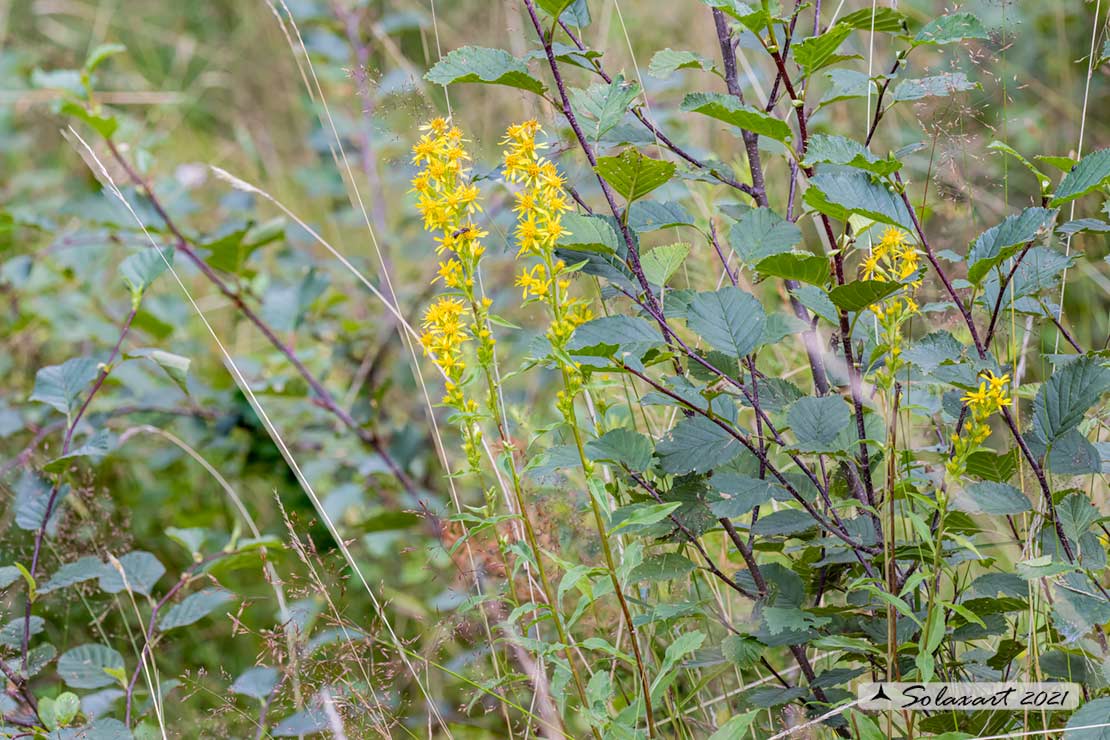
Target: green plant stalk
[(495, 406), (569, 418)]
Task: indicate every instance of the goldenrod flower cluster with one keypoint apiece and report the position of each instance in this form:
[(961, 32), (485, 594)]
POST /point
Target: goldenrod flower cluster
[(447, 199), (992, 396), (893, 259), (541, 202)]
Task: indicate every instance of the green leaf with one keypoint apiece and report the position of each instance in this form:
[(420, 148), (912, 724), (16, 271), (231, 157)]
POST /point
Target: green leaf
[(66, 707), (991, 466), (554, 8), (59, 385), (937, 86), (12, 633), (140, 270), (730, 320), (635, 517), (742, 650), (949, 29), (991, 498), (87, 666), (605, 105), (1077, 607), (696, 444), (848, 152), (194, 608), (761, 233), (785, 522), (790, 619), (846, 84), (9, 574), (1092, 172), (1089, 722), (818, 422), (860, 294), (682, 646), (854, 192), (660, 263), (85, 569), (650, 215), (727, 108), (811, 269), (737, 726), (588, 231), (666, 567), (878, 19), (141, 568), (95, 448), (1073, 454), (257, 682), (1077, 514), (176, 366), (633, 175), (103, 125), (626, 336), (740, 494), (624, 446), (1062, 400), (1000, 242), (483, 65), (100, 54), (820, 51), (668, 61), (32, 495)]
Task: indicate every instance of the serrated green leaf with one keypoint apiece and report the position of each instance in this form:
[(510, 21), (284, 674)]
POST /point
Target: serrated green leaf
[(949, 29), (60, 385), (860, 294), (811, 269), (601, 107), (660, 263), (634, 175), (1064, 398), (991, 498), (668, 61), (176, 366), (620, 335), (257, 682), (840, 150), (740, 494), (666, 567), (483, 65), (624, 446), (999, 242), (88, 666), (730, 110), (141, 569), (696, 444), (730, 320), (878, 19), (85, 569), (819, 51), (760, 233), (95, 448), (818, 422), (937, 86), (1092, 172), (854, 192), (140, 270), (194, 608), (650, 215)]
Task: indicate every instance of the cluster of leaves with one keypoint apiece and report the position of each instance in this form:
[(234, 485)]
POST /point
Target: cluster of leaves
[(779, 510)]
